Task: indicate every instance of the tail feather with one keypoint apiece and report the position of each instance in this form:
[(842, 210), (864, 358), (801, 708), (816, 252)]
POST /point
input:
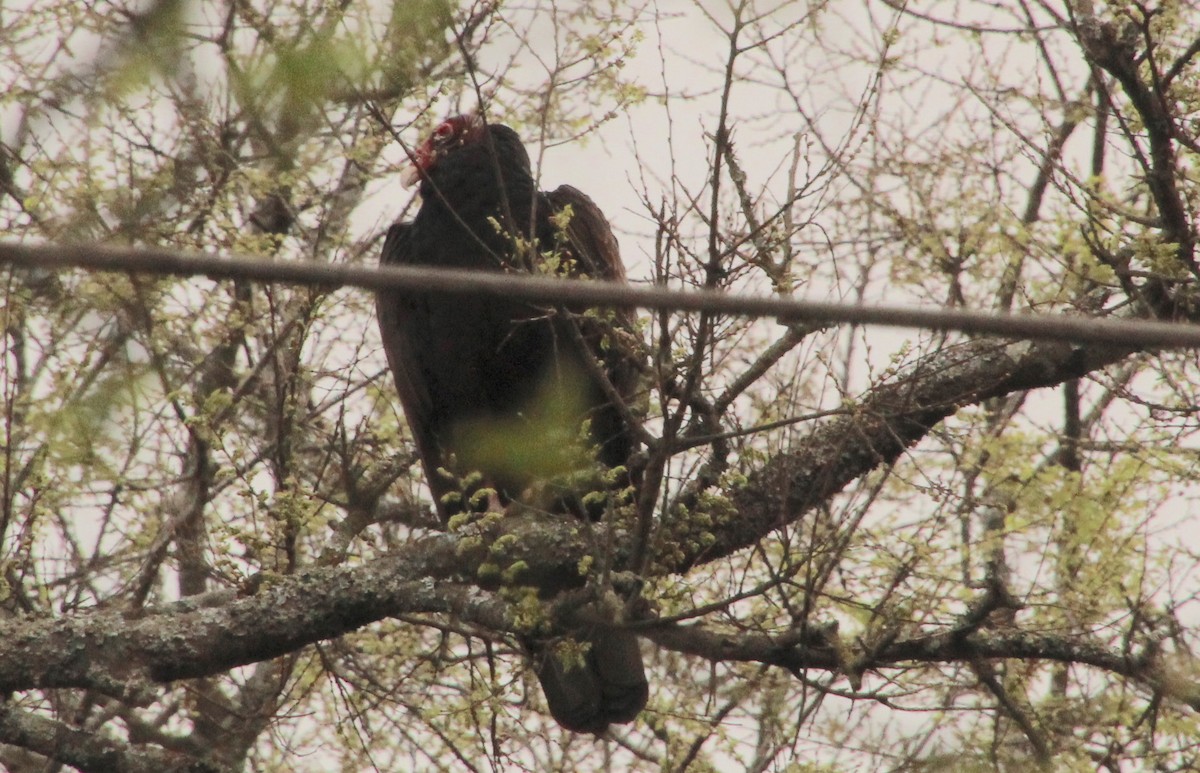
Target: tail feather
[(608, 686)]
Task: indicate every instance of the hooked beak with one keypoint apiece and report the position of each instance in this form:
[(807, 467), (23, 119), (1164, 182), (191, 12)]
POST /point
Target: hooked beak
[(419, 160)]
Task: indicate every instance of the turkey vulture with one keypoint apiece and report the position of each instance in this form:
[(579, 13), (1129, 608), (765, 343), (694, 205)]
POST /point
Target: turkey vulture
[(496, 389)]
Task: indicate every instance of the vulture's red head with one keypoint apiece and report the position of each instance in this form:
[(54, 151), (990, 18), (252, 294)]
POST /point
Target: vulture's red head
[(450, 135)]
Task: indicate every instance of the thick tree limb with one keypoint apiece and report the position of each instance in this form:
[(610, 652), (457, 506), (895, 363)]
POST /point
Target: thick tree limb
[(90, 752), (107, 651), (114, 653), (100, 649), (891, 418), (110, 652), (818, 650)]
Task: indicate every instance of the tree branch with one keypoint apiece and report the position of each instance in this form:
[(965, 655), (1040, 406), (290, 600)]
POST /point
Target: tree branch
[(89, 751), (819, 649), (115, 653), (1113, 50), (891, 418)]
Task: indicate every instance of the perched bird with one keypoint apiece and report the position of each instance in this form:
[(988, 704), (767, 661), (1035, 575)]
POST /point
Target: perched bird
[(517, 399)]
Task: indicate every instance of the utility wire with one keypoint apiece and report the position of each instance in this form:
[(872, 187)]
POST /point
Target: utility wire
[(1124, 333)]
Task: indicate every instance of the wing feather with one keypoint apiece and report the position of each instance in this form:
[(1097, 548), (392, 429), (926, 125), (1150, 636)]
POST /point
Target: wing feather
[(611, 339), (402, 323), (595, 248)]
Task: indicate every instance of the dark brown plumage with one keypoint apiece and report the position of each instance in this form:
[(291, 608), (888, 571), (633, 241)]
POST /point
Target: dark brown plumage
[(500, 387)]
